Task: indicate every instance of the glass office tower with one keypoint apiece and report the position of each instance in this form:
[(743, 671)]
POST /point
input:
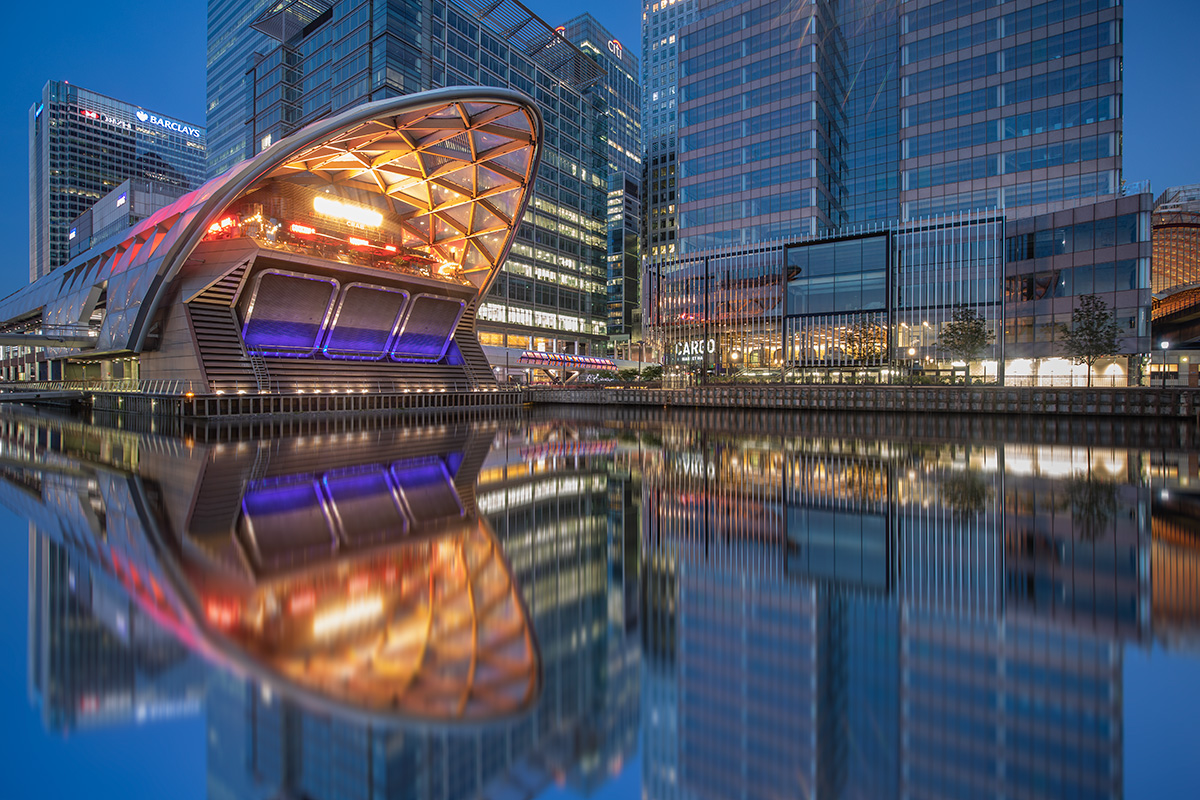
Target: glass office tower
[(1012, 108), (82, 145), (661, 23), (945, 126), (624, 134), (795, 117), (313, 58)]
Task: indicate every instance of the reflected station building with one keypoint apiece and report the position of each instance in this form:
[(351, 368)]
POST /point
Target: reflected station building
[(350, 257)]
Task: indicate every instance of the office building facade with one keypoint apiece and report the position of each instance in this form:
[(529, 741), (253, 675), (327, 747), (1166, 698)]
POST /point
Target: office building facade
[(82, 145), (315, 59), (950, 130), (872, 301), (623, 96), (864, 111), (661, 25)]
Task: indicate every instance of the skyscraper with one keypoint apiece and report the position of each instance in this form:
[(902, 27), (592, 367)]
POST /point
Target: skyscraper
[(624, 134), (661, 23), (309, 58), (797, 117), (82, 145), (981, 140)]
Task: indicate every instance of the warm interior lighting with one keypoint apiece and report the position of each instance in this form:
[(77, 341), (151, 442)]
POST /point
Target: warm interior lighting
[(220, 225), (350, 614), (347, 212)]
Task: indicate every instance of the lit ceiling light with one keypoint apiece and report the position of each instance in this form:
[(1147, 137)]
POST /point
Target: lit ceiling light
[(347, 212)]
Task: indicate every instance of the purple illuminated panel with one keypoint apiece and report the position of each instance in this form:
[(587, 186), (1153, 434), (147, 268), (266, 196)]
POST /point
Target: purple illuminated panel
[(364, 505), (366, 318), (287, 313), (284, 522), (427, 488), (426, 331)]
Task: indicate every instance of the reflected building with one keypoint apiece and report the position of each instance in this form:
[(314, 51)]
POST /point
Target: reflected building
[(891, 638), (95, 657), (545, 495)]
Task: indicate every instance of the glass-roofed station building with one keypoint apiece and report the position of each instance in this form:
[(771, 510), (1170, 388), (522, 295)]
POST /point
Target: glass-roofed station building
[(348, 258)]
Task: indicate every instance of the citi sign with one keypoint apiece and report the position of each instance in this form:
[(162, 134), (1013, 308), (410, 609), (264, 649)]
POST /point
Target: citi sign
[(170, 125)]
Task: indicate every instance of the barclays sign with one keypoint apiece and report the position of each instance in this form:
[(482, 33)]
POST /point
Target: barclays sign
[(171, 125)]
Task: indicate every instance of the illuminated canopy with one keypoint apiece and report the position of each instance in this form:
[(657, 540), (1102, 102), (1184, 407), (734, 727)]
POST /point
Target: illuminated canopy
[(448, 172)]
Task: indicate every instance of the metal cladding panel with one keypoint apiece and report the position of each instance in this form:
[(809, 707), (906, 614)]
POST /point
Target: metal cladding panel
[(428, 328), (285, 521), (365, 321), (365, 505), (427, 488), (287, 313)]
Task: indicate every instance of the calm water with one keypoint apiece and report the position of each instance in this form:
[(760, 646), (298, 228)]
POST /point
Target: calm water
[(664, 606)]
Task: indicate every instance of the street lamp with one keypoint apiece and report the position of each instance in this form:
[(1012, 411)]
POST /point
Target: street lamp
[(1164, 344), (912, 367)]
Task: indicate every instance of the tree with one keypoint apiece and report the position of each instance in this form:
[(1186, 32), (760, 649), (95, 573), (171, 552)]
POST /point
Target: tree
[(865, 341), (652, 373), (627, 375), (1093, 333), (966, 494), (966, 336)]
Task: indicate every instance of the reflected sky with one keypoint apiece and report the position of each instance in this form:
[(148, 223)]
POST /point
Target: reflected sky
[(664, 605)]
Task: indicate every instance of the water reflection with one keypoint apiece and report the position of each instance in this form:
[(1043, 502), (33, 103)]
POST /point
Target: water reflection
[(798, 609), (344, 569)]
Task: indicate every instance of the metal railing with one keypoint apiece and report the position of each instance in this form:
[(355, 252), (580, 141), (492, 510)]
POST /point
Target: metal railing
[(131, 385)]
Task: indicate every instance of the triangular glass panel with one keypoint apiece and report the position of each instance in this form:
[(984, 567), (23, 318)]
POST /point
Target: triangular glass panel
[(506, 202), (457, 147), (444, 231), (441, 195), (477, 108), (486, 220), (490, 180), (475, 259), (415, 195), (517, 120), (460, 214), (486, 141), (432, 161), (463, 179), (445, 113), (517, 160), (421, 223)]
